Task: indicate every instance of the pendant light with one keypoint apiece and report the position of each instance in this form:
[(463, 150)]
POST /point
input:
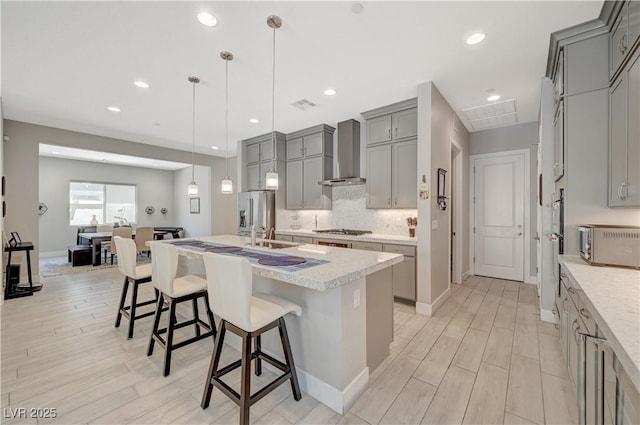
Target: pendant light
[(226, 186), (271, 179), (192, 189)]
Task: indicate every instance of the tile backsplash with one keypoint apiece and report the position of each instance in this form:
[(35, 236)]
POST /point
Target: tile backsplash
[(349, 212)]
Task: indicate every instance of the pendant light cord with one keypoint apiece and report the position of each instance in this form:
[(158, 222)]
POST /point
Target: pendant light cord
[(226, 118), (273, 103), (193, 135)]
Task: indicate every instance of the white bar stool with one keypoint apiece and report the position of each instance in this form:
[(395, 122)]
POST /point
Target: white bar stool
[(135, 275), (164, 265), (230, 283)]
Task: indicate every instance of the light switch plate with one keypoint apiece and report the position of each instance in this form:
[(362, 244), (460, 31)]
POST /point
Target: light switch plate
[(434, 224)]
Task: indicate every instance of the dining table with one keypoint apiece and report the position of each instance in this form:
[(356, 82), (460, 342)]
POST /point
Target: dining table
[(95, 240)]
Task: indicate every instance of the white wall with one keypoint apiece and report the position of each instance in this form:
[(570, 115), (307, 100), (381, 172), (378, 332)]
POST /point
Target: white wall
[(437, 126), (521, 136), (21, 158), (194, 224), (153, 188)]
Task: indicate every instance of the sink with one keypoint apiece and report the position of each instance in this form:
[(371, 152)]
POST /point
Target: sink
[(273, 245)]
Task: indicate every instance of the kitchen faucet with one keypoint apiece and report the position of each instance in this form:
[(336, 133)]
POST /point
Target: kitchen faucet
[(254, 231)]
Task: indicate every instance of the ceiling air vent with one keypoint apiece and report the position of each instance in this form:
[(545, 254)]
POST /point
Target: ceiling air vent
[(304, 104), (493, 115)]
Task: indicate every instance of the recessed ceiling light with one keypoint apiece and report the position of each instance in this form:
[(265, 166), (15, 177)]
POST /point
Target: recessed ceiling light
[(357, 8), (476, 38), (493, 97), (207, 19), (254, 121), (330, 92), (113, 109), (141, 84), (215, 148)]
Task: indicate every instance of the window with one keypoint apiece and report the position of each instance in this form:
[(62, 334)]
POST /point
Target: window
[(109, 203)]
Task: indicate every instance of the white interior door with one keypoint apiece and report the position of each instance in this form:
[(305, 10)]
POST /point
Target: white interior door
[(499, 216)]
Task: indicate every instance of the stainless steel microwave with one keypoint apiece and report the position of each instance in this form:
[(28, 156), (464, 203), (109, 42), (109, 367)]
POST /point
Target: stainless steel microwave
[(610, 245)]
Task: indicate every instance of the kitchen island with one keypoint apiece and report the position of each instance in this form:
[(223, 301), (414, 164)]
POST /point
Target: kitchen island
[(347, 311)]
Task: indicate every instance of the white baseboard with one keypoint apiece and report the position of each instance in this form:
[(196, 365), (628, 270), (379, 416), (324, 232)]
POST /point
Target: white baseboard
[(548, 316), (50, 254), (339, 401), (429, 309), (531, 279)]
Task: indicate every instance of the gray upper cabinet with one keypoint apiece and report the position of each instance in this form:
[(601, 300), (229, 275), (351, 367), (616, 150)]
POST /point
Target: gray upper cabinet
[(258, 157), (404, 172), (624, 36), (379, 178), (309, 160), (393, 127), (405, 124), (312, 141), (392, 155), (624, 136), (379, 130)]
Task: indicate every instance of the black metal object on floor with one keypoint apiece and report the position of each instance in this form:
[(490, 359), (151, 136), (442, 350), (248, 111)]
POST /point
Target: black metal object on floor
[(129, 311), (11, 289)]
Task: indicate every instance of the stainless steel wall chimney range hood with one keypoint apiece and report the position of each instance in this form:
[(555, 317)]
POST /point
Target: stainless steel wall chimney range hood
[(348, 156)]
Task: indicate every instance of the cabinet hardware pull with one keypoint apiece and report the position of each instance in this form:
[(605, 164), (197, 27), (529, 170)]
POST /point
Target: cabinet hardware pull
[(620, 191), (389, 133), (519, 233), (583, 314), (396, 131), (575, 328), (301, 151), (563, 275), (396, 200), (389, 201), (571, 290), (623, 43)]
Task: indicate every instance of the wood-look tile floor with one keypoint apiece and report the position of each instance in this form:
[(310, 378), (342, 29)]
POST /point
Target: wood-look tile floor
[(483, 358)]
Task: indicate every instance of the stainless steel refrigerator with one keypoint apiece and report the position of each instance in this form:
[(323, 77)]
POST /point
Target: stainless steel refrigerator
[(256, 208)]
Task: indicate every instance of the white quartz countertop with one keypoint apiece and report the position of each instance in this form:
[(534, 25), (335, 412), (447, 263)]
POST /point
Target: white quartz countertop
[(344, 265), (612, 295), (369, 237)]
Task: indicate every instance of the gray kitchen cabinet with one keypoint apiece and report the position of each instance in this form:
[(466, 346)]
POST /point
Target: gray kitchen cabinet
[(404, 273), (368, 246), (295, 185), (379, 177), (313, 141), (379, 130), (258, 157), (285, 238), (391, 175), (310, 160), (624, 36), (404, 174), (558, 141), (624, 136), (303, 239), (392, 127), (303, 190)]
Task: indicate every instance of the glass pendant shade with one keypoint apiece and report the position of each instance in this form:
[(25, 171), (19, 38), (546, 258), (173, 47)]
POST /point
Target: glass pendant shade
[(226, 186), (271, 182), (192, 189)]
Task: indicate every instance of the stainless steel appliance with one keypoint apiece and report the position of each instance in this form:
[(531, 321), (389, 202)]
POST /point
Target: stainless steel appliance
[(347, 156), (611, 245), (256, 208), (343, 232), (557, 237)]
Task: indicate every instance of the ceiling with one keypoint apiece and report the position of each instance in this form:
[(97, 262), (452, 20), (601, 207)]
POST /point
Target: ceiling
[(64, 63)]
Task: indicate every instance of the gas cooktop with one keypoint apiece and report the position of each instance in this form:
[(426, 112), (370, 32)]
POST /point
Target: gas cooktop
[(344, 232)]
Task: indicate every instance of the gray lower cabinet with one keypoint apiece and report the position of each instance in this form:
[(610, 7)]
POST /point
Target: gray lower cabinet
[(286, 238), (404, 273), (303, 239), (624, 136), (392, 175), (303, 190)]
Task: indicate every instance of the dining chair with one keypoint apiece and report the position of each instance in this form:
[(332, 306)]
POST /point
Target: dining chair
[(123, 232), (173, 291), (143, 235), (134, 275), (248, 315)]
